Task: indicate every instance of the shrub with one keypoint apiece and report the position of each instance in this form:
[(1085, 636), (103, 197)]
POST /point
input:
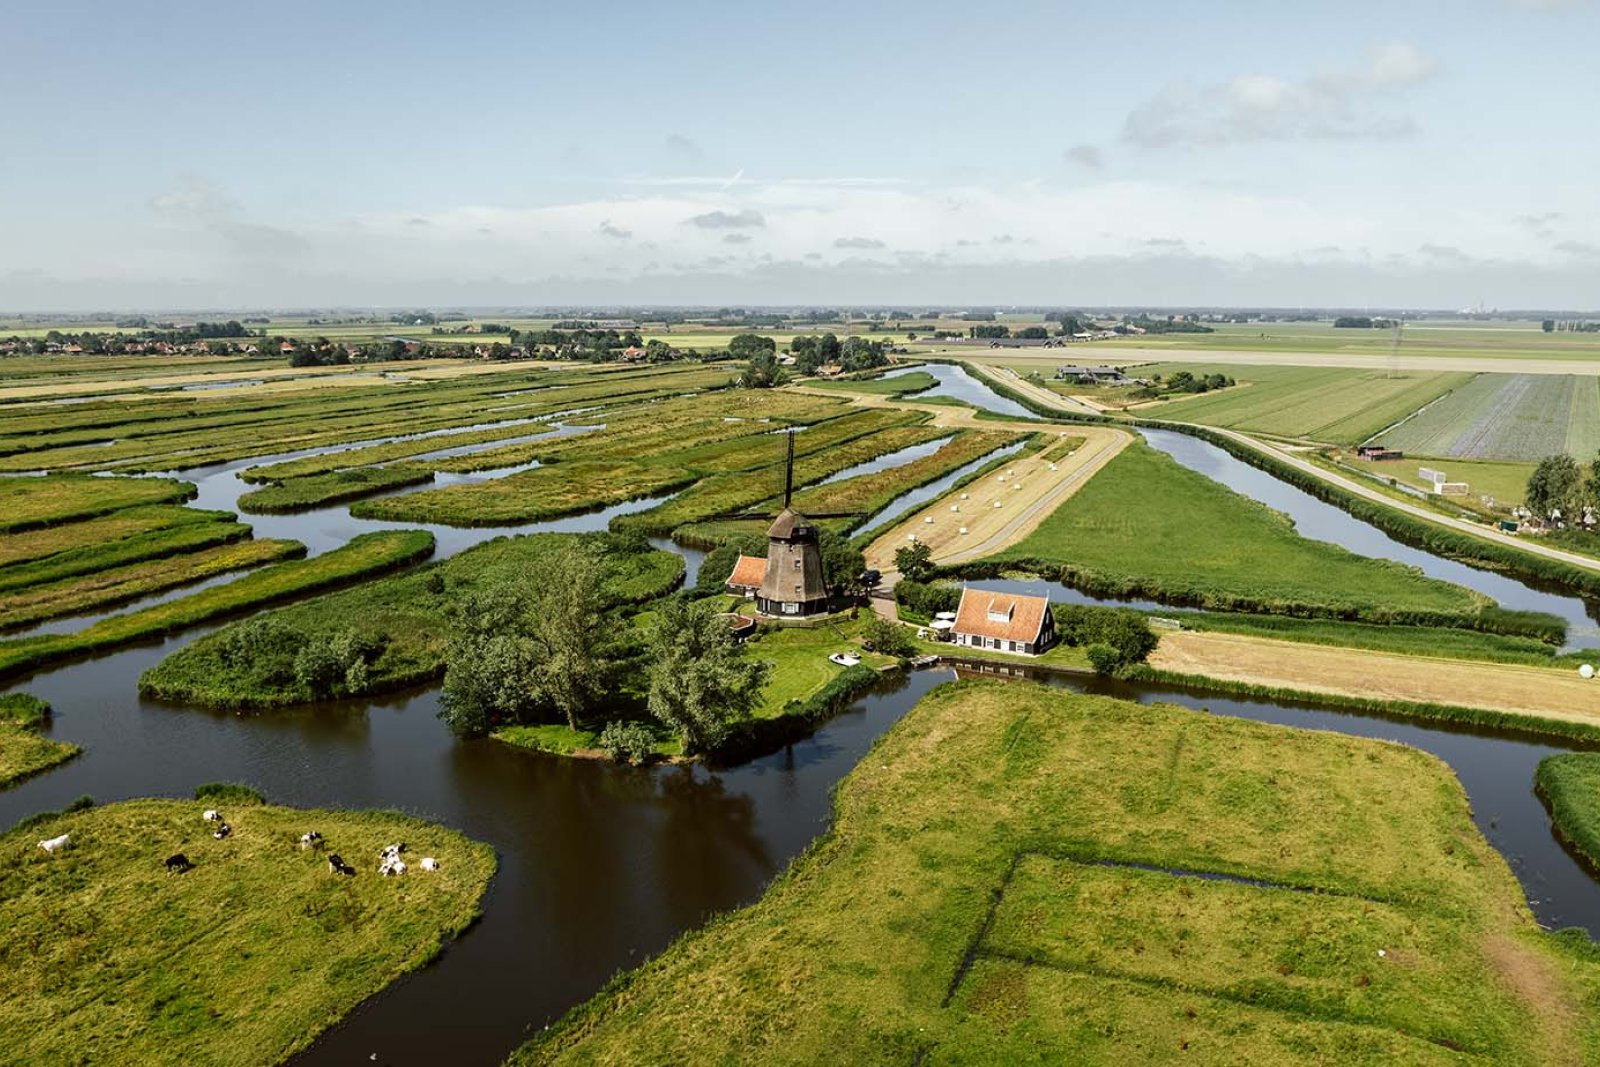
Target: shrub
[(1114, 638), (887, 637), (927, 599), (628, 742), (228, 793), (83, 803), (24, 709)]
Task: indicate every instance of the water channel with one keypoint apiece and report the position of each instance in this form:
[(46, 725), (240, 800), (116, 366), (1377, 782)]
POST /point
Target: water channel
[(601, 866)]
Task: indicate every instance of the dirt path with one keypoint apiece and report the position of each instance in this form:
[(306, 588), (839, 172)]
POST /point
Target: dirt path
[(1544, 691), (1004, 506)]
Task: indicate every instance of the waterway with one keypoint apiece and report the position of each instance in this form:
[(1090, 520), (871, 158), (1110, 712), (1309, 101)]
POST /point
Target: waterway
[(600, 866)]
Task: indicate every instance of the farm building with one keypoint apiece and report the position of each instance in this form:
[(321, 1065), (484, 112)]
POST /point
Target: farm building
[(747, 576), (1005, 622)]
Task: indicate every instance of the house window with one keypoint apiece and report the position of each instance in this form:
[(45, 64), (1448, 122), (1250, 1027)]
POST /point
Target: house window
[(791, 609), (1013, 646), (796, 564)]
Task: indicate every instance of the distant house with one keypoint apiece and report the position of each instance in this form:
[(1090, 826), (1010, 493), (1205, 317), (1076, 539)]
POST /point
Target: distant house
[(1091, 375), (747, 576), (1004, 622)]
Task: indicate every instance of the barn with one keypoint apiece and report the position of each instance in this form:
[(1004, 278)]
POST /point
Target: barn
[(1004, 622)]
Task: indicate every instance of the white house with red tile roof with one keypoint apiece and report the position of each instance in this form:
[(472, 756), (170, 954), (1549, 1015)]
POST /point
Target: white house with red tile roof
[(1004, 622), (747, 576)]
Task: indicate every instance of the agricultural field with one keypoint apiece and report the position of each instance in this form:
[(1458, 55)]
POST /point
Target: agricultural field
[(24, 750), (1507, 417), (1147, 526), (1037, 877), (1319, 404), (1504, 480), (244, 958)]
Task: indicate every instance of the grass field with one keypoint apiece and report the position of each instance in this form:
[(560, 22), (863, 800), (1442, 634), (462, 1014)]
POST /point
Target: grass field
[(1321, 404), (1505, 480), (119, 585), (899, 385), (1410, 640), (1012, 877), (27, 503), (185, 533), (361, 557), (34, 544), (1570, 784), (1146, 526), (407, 614), (243, 959), (24, 752), (1507, 417), (320, 490)]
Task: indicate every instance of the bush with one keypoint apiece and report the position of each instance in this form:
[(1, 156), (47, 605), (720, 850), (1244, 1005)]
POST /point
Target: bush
[(1103, 658), (23, 709), (628, 742), (1115, 638), (228, 793), (887, 637), (83, 803), (927, 599)]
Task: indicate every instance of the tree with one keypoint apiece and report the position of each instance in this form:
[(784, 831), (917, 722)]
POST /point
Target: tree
[(751, 345), (657, 351), (914, 561), (567, 627), (1554, 489), (842, 562), (889, 638), (1549, 325), (763, 372), (701, 682)]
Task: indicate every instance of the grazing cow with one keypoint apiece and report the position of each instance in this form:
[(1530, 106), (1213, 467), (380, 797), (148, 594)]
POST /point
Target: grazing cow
[(391, 866), (311, 839), (393, 851), (211, 815), (178, 863), (223, 830), (429, 863), (339, 866), (55, 844)]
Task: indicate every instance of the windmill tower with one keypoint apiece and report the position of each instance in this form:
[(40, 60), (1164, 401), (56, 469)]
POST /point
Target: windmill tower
[(793, 583)]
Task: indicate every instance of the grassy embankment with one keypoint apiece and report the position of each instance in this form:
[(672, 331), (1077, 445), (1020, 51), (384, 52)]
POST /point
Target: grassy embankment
[(23, 752), (362, 557), (1569, 784), (244, 959), (1406, 640), (30, 503), (913, 382), (1011, 878), (75, 549), (319, 490), (1146, 526), (408, 613)]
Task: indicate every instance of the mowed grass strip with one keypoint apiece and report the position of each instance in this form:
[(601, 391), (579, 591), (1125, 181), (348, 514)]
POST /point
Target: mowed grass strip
[(28, 545), (859, 953), (361, 557), (866, 494), (300, 494), (24, 752), (207, 530), (28, 503), (407, 614), (105, 589), (1148, 526), (246, 958)]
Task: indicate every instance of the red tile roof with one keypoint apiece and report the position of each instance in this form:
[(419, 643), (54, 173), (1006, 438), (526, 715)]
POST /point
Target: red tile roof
[(749, 572), (1006, 616)]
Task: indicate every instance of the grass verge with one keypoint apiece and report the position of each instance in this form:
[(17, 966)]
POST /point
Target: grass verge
[(23, 752), (300, 494), (1569, 784)]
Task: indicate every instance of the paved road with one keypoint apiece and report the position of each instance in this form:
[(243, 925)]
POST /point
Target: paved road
[(1588, 563)]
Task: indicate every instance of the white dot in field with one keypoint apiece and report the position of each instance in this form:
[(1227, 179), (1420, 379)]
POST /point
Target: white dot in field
[(1586, 671)]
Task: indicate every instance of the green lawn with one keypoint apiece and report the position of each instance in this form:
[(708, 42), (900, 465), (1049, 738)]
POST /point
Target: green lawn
[(1147, 526), (242, 960), (1009, 879)]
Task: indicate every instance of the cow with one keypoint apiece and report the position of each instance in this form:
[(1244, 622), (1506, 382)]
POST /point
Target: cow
[(55, 844), (429, 863), (211, 815), (223, 830), (311, 839), (339, 866), (178, 863), (393, 865), (391, 851)]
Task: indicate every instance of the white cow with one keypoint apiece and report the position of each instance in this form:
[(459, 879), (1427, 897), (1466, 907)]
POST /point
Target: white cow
[(55, 844), (211, 815), (392, 866), (429, 863)]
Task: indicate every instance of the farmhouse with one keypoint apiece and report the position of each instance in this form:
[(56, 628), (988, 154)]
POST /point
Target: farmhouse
[(1005, 622), (747, 576)]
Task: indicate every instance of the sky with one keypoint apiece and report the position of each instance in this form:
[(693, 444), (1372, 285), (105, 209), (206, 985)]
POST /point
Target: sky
[(176, 154)]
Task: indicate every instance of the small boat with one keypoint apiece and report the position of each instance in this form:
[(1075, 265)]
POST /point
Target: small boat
[(845, 659)]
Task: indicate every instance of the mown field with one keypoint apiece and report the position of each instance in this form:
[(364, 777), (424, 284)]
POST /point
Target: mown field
[(1507, 417), (1147, 526), (1020, 875), (1321, 404), (243, 959), (1504, 480)]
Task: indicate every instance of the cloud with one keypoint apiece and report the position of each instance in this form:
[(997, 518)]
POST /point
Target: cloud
[(1579, 248), (682, 148), (417, 220), (1085, 155), (611, 230), (858, 242), (1169, 243), (1449, 253), (1262, 107), (1549, 5), (747, 219), (737, 239)]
